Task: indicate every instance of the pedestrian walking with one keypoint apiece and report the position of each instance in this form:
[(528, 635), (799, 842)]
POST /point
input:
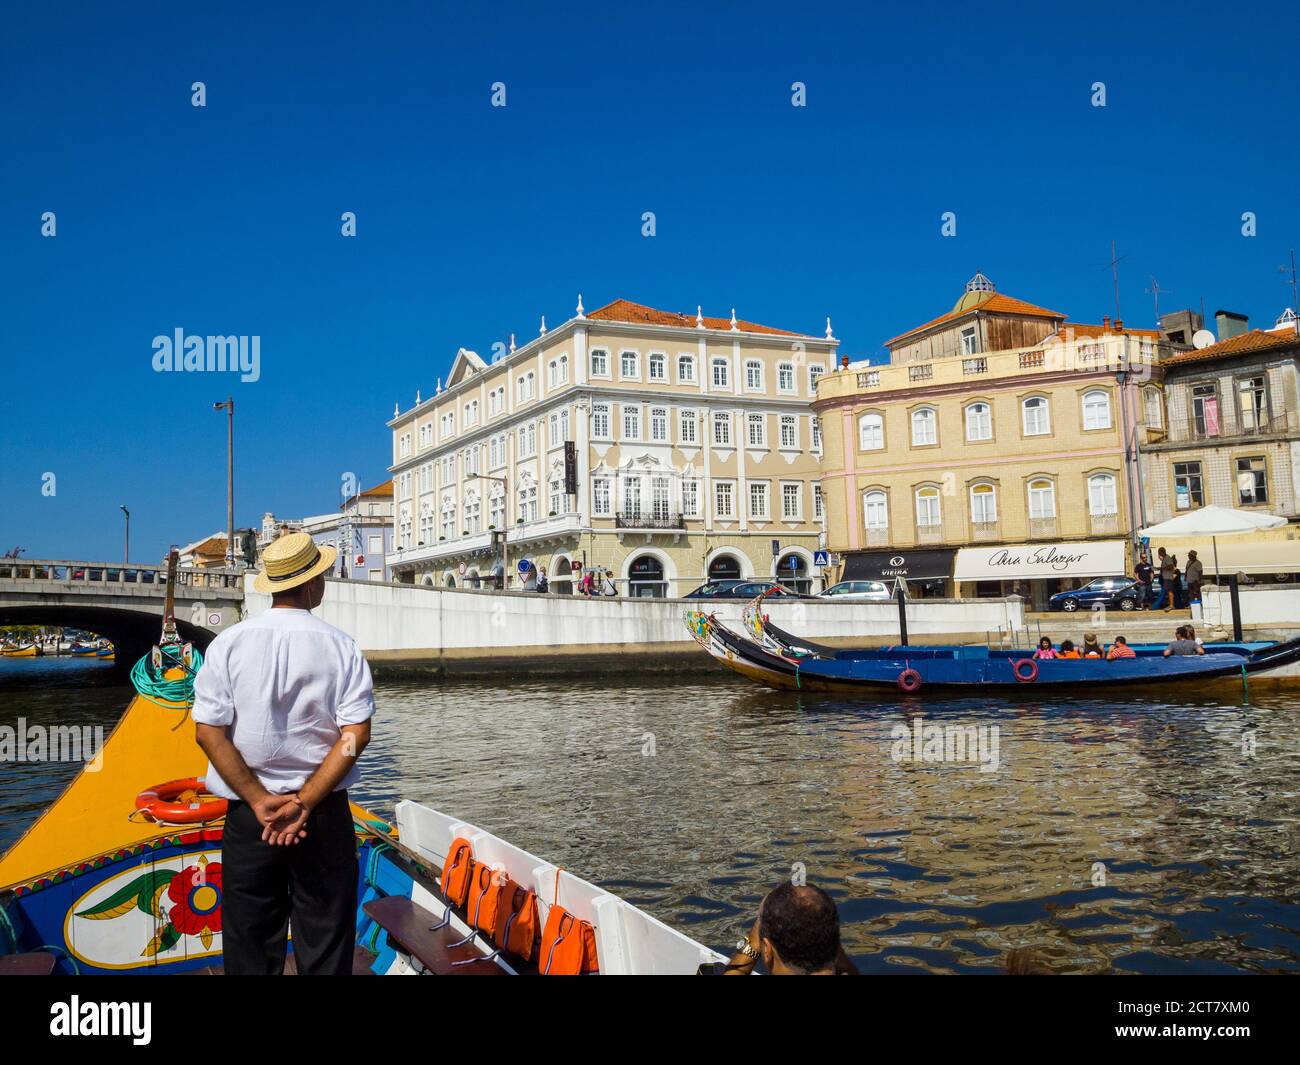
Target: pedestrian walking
[(1195, 570)]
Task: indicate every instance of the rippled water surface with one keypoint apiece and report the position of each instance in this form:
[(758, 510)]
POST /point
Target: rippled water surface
[(1142, 837)]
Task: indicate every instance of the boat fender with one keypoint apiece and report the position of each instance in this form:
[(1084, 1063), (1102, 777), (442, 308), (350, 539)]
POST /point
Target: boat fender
[(909, 680), (1026, 670)]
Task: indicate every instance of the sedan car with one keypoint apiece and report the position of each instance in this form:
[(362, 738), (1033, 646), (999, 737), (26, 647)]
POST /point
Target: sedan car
[(875, 591), (1119, 592), (731, 589)]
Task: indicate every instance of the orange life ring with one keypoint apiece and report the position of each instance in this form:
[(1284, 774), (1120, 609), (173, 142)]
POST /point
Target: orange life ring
[(909, 680), (180, 802), (1033, 670)]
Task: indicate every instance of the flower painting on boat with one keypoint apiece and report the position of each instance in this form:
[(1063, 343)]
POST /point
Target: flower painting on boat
[(151, 914)]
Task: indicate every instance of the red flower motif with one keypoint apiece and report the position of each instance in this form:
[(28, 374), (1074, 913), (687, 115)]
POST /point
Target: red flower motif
[(196, 891)]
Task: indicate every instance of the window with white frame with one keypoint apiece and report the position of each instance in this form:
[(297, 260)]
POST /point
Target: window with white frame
[(426, 477), (816, 423), (660, 488), (404, 485), (553, 429), (979, 422), (690, 499), (471, 461), (928, 515), (426, 434), (564, 425), (659, 425), (755, 430), (600, 421), (871, 432), (1096, 409), (404, 445), (1155, 408), (552, 373), (785, 377), (753, 375), (983, 504), (497, 452), (724, 500), (631, 423), (1042, 500), (818, 512), (564, 369), (789, 431), (473, 515), (426, 524), (687, 429), (925, 429), (658, 366), (721, 428), (497, 507), (721, 373), (969, 341), (758, 503), (447, 425), (791, 500), (632, 498), (557, 496), (404, 525), (528, 503), (447, 524), (1034, 413), (526, 386), (815, 372), (686, 369), (629, 365), (875, 511), (1102, 500), (527, 441), (600, 497), (471, 412), (599, 362)]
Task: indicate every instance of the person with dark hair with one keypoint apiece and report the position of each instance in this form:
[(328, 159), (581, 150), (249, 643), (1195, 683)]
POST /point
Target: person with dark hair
[(796, 933), (1183, 644)]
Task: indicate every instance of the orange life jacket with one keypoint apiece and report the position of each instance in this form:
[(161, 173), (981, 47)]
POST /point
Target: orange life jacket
[(568, 945), (456, 871), (484, 898), (516, 920)]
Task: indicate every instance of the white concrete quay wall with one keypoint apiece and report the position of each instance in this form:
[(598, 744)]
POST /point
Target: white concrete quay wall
[(398, 617), (1259, 606)]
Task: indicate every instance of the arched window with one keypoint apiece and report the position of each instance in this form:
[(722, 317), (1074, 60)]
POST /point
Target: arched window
[(1042, 500), (1035, 416), (924, 427), (724, 568), (979, 422), (928, 514), (1096, 409), (871, 432), (1102, 500), (658, 367), (792, 571), (754, 375), (875, 511), (645, 578), (983, 504)]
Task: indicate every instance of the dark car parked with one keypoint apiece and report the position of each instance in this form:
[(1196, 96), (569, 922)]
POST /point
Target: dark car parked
[(732, 589), (1119, 592)]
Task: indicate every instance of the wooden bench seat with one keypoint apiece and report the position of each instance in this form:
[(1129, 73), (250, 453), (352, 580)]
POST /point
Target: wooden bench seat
[(34, 963), (409, 928)]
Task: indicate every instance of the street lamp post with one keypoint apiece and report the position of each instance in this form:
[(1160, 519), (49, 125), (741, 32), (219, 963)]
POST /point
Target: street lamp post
[(229, 407), (505, 521), (126, 547)]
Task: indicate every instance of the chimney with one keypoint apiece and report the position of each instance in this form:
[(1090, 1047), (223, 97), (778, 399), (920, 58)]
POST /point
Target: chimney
[(1119, 325), (1230, 324), (1105, 323)]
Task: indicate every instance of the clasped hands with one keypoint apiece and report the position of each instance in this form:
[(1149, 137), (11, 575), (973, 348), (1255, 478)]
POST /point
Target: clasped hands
[(283, 818)]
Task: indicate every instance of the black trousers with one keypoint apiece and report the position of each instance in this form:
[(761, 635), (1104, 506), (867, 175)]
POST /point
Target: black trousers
[(311, 884)]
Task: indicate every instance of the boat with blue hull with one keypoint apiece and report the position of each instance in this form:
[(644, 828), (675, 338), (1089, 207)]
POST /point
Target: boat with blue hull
[(770, 655)]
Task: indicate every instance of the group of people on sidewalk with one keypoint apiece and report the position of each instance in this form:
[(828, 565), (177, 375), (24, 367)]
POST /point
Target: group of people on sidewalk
[(1178, 588), (589, 582)]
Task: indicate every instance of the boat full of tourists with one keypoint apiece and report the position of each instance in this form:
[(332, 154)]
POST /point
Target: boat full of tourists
[(763, 652)]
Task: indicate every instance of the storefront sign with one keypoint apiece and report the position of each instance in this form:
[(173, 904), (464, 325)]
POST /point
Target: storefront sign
[(1029, 561), (934, 564)]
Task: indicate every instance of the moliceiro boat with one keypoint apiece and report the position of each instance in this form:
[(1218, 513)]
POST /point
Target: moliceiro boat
[(122, 875), (761, 651)]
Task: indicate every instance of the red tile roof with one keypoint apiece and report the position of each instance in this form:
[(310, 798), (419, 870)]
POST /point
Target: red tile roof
[(626, 311), (996, 302), (1247, 343), (1082, 330)]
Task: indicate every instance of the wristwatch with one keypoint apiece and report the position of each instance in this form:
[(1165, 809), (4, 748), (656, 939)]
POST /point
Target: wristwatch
[(747, 950)]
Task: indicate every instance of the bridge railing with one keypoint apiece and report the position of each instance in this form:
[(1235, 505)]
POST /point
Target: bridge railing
[(109, 574)]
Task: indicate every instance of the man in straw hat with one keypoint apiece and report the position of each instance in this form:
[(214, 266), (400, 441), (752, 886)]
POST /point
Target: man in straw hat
[(282, 708)]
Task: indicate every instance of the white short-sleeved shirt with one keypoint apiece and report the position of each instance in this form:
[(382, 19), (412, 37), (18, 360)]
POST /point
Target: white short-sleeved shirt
[(284, 682)]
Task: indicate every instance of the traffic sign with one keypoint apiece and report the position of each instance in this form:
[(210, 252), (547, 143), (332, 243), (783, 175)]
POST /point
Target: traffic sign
[(524, 565), (821, 558)]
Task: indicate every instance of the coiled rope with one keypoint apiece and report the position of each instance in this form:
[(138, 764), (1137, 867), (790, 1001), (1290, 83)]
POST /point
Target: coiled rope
[(161, 691)]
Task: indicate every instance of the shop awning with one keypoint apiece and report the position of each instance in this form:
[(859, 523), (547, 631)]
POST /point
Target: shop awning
[(1019, 562), (912, 565), (1237, 554)]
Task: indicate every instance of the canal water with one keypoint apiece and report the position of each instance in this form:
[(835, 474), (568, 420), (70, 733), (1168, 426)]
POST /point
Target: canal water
[(1143, 837)]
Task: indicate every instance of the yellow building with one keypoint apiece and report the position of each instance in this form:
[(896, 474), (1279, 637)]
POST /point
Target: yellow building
[(694, 455), (989, 456)]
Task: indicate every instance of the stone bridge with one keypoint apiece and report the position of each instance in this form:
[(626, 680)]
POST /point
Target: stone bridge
[(122, 602)]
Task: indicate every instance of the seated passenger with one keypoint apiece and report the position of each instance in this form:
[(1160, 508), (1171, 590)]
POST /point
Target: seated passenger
[(1091, 648), (1067, 650), (1045, 649), (796, 933), (1183, 644), (1120, 649)]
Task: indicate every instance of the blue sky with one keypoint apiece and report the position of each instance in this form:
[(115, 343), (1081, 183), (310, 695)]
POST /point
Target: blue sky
[(473, 221)]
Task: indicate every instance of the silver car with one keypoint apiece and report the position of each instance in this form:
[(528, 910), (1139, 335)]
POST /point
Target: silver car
[(875, 591)]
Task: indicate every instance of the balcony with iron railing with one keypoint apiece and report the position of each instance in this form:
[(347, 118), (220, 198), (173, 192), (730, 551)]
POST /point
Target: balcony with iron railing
[(1233, 425), (637, 520), (1103, 524), (1042, 528), (985, 532)]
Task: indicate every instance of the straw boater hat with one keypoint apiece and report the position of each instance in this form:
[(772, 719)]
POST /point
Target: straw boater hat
[(292, 560)]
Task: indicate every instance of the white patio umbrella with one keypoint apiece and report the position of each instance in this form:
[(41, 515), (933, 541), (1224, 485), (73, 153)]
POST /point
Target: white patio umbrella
[(1215, 522)]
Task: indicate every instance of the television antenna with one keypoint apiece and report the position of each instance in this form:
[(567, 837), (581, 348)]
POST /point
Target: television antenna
[(1295, 290), (1115, 260), (1155, 291)]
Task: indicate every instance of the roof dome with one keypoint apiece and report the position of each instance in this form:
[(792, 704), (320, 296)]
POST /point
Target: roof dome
[(978, 289)]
